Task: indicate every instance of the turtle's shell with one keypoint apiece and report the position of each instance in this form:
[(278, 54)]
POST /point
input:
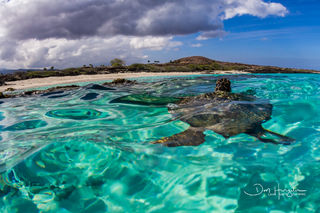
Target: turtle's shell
[(225, 113)]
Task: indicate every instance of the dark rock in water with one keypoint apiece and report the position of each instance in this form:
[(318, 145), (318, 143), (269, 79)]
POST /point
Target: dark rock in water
[(98, 87), (58, 96), (10, 89), (76, 114), (58, 90), (31, 92), (120, 81), (90, 96), (33, 124), (52, 93), (47, 92), (2, 95), (1, 102), (64, 88)]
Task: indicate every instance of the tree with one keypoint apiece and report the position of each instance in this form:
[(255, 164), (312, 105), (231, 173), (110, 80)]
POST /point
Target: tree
[(117, 62), (52, 68)]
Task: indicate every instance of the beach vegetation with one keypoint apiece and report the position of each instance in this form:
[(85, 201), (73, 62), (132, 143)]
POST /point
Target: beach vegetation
[(117, 62), (137, 67), (189, 64)]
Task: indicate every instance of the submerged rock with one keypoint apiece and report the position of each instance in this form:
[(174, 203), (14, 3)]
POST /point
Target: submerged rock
[(46, 92), (50, 91)]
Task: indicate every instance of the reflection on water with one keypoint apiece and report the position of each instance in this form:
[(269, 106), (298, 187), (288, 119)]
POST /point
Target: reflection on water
[(82, 153)]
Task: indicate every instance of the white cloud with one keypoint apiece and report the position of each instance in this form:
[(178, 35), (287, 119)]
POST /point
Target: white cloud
[(196, 45), (69, 53), (253, 7), (153, 43), (37, 33), (211, 34)]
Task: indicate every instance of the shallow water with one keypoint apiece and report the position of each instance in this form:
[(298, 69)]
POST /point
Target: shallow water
[(76, 152)]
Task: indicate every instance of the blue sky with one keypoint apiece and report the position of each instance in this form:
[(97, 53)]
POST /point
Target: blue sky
[(290, 41), (37, 34)]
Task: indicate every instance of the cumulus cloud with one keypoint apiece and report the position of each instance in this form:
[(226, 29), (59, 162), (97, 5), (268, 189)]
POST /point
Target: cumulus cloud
[(48, 27), (253, 7), (68, 53)]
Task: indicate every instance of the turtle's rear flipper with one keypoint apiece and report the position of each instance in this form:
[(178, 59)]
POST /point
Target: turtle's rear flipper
[(264, 136), (190, 137), (145, 99)]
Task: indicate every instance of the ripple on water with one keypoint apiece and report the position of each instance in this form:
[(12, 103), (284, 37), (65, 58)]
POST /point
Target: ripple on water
[(58, 96), (108, 165), (1, 116), (33, 124), (76, 114), (90, 96), (62, 174), (52, 93)]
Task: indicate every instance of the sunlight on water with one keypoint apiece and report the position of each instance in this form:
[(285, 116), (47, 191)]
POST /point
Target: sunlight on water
[(78, 152)]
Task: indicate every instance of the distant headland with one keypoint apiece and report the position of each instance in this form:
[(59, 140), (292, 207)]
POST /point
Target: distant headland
[(182, 66)]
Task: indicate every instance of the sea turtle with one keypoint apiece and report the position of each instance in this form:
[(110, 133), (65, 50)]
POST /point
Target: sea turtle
[(221, 111)]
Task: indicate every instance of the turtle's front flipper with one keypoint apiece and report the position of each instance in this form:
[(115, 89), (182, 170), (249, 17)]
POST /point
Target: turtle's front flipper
[(145, 99), (262, 134), (190, 137)]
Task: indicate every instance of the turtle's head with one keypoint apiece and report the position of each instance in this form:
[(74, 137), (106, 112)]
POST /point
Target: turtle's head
[(223, 84)]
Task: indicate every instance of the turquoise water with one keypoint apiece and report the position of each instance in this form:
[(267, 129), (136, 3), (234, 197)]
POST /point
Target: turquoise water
[(76, 152)]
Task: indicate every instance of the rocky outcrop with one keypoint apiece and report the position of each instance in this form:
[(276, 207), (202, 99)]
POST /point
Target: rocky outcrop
[(37, 92), (119, 82)]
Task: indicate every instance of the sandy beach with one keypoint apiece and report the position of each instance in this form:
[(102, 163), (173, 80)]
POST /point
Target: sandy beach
[(50, 81)]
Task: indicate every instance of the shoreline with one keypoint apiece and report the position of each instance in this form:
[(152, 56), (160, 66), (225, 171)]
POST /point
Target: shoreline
[(52, 81)]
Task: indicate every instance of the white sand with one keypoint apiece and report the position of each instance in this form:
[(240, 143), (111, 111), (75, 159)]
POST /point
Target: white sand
[(50, 81)]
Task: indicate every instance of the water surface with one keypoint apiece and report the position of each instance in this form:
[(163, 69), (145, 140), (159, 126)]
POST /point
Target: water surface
[(76, 152)]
